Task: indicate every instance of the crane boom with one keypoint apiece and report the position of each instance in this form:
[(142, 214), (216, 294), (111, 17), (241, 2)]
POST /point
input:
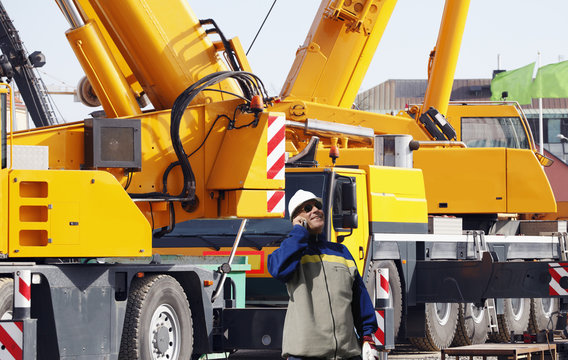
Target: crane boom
[(16, 65), (330, 66), (445, 58)]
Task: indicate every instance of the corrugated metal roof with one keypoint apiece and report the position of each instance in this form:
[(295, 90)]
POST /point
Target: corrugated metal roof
[(395, 94)]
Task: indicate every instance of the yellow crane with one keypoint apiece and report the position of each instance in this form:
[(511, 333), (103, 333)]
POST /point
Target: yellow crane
[(88, 216)]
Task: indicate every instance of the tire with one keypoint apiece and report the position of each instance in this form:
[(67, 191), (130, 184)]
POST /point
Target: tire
[(472, 326), (395, 289), (441, 322), (544, 314), (514, 319), (6, 298), (157, 323)]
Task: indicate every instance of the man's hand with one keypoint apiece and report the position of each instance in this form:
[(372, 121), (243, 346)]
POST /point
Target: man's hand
[(369, 350), (300, 220)]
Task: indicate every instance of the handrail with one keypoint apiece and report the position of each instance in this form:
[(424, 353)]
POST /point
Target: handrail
[(459, 144)]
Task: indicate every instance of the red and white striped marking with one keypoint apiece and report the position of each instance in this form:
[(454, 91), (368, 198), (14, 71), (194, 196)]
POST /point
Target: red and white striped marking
[(12, 340), (275, 148), (379, 335), (557, 271), (382, 289), (22, 291), (275, 202)]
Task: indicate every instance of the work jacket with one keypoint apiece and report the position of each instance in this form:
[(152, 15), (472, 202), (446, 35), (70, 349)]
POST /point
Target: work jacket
[(328, 299)]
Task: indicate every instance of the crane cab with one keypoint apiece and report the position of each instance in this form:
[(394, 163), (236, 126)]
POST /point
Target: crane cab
[(484, 176)]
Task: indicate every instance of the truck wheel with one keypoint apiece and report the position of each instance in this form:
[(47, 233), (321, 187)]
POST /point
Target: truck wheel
[(157, 323), (544, 314), (395, 288), (515, 318), (473, 323), (6, 298), (441, 322)]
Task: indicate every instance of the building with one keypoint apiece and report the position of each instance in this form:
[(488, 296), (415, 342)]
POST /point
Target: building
[(21, 116), (392, 96)]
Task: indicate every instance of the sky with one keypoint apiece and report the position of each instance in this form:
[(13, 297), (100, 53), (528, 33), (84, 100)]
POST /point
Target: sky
[(514, 30)]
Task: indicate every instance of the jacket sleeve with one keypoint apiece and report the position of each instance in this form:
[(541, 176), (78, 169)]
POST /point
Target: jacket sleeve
[(363, 309), (283, 261)]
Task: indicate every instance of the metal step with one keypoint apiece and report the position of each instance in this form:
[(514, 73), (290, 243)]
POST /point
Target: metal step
[(492, 315)]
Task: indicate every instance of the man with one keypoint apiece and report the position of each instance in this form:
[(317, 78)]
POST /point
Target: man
[(328, 299)]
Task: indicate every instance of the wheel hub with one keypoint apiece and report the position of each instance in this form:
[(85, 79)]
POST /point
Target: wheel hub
[(162, 340), (165, 332)]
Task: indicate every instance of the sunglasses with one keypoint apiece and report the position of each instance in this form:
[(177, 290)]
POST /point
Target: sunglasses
[(308, 207)]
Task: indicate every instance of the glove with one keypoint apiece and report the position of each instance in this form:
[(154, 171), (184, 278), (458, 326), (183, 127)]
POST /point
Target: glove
[(369, 350)]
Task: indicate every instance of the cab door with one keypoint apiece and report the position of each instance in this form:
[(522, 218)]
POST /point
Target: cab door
[(349, 214)]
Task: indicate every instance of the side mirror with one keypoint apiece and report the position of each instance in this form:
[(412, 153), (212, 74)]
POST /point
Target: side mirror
[(350, 221), (349, 196), (349, 203)]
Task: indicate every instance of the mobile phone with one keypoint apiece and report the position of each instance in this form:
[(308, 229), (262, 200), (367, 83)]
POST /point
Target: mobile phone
[(304, 223)]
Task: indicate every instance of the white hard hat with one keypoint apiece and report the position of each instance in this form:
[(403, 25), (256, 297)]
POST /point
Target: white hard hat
[(300, 197)]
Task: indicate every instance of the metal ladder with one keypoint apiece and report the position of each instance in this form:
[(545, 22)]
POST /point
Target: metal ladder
[(562, 240), (480, 247), (492, 314)]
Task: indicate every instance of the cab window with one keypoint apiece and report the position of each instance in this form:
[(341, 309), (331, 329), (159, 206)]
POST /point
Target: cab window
[(505, 132)]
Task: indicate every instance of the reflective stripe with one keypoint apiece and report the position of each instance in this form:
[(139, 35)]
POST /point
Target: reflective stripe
[(275, 202), (11, 339), (557, 271), (327, 258), (379, 335), (275, 148), (22, 284)]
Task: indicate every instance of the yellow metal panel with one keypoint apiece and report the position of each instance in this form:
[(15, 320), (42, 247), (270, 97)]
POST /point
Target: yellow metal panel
[(560, 214), (66, 213), (349, 156), (243, 163), (528, 189), (88, 215), (4, 212), (65, 144), (250, 204), (396, 195), (460, 180)]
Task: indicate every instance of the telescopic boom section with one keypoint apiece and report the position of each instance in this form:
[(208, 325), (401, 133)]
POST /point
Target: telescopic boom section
[(330, 66), (165, 47), (441, 74)]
